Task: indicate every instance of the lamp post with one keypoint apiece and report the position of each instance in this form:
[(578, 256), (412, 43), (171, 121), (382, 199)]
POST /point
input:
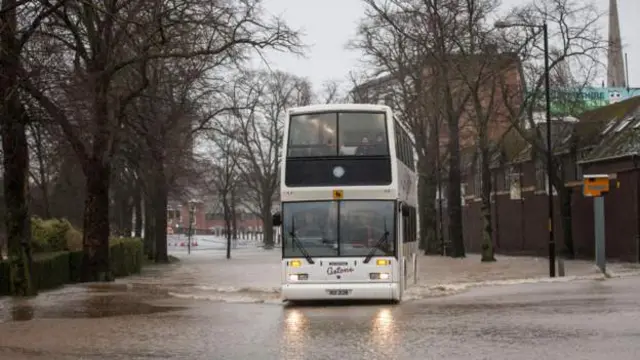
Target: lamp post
[(547, 90)]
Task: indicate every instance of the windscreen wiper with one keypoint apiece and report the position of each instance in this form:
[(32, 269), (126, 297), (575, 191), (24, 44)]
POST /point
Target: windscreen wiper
[(384, 238), (294, 240)]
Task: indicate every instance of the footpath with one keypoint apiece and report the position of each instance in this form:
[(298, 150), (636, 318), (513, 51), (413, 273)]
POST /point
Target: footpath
[(257, 271), (445, 275)]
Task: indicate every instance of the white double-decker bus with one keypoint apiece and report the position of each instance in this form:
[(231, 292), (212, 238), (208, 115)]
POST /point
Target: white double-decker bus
[(349, 197)]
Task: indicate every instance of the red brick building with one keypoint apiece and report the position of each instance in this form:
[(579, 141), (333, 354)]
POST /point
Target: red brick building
[(604, 141), (499, 76), (208, 217)]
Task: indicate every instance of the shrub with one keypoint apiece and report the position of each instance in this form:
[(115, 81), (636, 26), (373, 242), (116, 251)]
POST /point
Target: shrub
[(54, 269), (126, 256), (54, 235), (75, 266), (50, 270), (74, 239)]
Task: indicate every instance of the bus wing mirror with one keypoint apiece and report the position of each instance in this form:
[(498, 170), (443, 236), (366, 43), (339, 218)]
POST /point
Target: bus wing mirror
[(405, 210), (276, 219)]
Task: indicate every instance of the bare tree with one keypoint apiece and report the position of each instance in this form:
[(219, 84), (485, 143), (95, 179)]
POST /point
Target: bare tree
[(44, 164), (15, 148), (399, 80), (262, 99), (225, 178), (329, 93), (113, 40), (575, 39), (430, 37), (481, 75)]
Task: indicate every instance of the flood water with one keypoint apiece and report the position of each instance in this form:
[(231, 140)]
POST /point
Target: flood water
[(209, 308)]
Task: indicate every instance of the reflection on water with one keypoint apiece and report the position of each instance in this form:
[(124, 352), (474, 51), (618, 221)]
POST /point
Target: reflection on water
[(294, 336), (22, 312), (79, 305), (383, 330), (294, 321)]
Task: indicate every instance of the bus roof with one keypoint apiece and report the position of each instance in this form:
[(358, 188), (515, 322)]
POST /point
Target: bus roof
[(337, 107)]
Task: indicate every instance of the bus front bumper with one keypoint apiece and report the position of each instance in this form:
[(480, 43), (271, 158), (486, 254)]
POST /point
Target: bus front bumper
[(341, 291)]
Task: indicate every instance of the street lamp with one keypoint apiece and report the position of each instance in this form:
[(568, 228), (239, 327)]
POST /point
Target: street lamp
[(544, 27)]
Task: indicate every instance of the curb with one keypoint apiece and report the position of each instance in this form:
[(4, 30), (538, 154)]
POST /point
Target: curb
[(539, 280)]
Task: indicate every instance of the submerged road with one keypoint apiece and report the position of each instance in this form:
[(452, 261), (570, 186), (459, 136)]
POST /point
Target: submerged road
[(577, 320)]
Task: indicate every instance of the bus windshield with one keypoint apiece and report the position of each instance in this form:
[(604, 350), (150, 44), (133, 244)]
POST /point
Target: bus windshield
[(338, 134), (339, 228)]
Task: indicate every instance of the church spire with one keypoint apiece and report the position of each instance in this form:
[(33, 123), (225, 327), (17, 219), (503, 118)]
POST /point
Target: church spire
[(615, 64)]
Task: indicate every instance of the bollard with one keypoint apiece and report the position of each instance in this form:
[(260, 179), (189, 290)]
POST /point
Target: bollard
[(561, 272), (415, 268)]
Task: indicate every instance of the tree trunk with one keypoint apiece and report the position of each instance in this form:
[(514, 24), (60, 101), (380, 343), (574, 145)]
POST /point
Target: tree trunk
[(485, 208), (15, 157), (149, 226), (427, 206), (127, 216), (454, 203), (124, 210), (226, 209), (95, 239), (565, 195), (267, 222), (234, 215), (117, 209), (16, 195), (137, 203), (160, 204)]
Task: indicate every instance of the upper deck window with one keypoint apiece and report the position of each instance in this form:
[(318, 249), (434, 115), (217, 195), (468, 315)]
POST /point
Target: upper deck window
[(313, 135), (338, 134)]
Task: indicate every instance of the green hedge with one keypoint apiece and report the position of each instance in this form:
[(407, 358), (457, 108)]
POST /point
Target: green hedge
[(54, 235), (51, 270)]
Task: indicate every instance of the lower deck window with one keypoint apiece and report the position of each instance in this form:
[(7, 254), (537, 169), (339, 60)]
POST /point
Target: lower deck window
[(339, 228)]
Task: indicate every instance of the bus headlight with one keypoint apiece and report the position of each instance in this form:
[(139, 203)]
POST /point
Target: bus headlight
[(297, 277), (379, 276)]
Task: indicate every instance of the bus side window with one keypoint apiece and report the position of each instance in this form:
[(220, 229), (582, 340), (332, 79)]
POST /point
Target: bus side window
[(398, 143), (414, 223), (410, 159), (409, 226), (402, 156), (406, 146)]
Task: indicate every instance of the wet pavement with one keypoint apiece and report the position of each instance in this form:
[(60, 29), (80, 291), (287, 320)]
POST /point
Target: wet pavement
[(198, 309)]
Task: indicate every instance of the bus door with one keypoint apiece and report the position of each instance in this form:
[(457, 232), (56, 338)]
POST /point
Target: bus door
[(400, 221)]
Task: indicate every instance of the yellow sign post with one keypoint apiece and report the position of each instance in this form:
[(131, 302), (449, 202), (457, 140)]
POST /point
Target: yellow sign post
[(596, 186)]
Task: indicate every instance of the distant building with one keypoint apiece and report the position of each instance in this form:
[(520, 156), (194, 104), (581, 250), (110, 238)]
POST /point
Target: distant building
[(384, 90), (209, 215)]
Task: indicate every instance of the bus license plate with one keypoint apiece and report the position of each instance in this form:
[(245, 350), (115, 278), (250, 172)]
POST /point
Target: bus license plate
[(339, 292)]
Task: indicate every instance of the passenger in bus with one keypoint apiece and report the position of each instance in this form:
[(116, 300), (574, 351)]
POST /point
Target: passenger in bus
[(380, 146), (364, 147), (327, 149)]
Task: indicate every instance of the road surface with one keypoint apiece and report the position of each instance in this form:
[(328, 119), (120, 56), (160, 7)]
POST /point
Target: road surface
[(576, 320)]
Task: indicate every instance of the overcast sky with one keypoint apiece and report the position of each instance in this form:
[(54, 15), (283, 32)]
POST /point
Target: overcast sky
[(329, 24)]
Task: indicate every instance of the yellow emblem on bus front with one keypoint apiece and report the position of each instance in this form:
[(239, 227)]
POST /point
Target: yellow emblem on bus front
[(338, 194)]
